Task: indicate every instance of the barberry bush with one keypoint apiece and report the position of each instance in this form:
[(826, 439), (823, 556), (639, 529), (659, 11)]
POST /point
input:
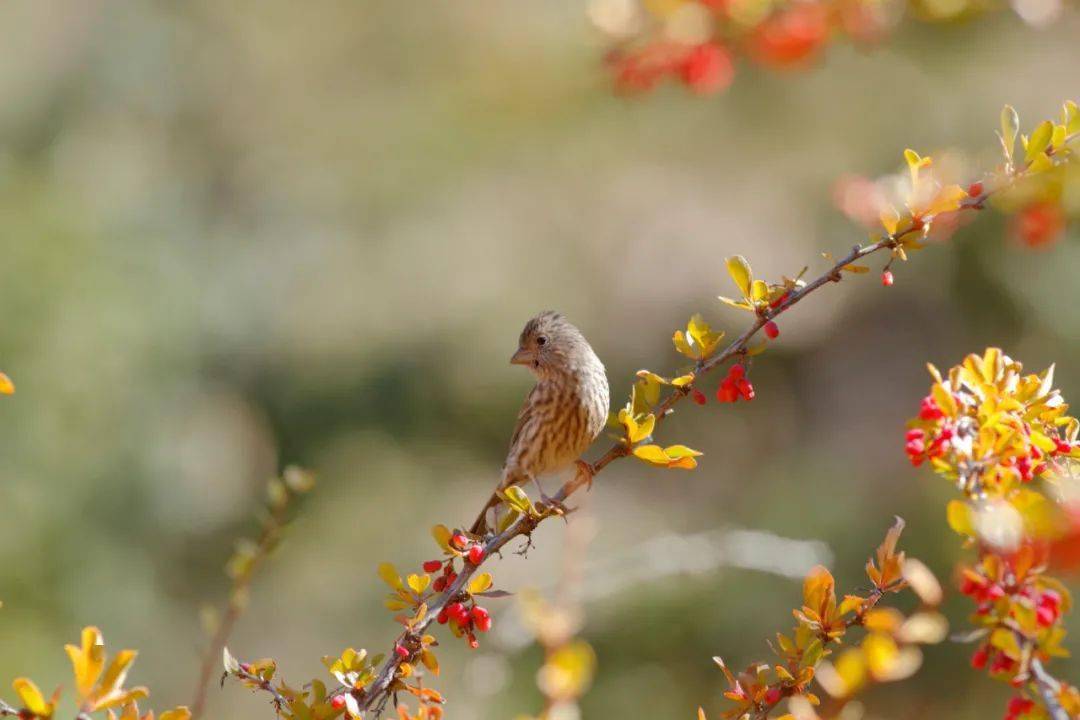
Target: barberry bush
[(699, 43), (1002, 437)]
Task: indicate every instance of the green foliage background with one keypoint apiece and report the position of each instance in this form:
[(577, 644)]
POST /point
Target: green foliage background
[(239, 234)]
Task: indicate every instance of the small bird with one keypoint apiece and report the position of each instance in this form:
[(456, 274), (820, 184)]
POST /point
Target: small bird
[(565, 410)]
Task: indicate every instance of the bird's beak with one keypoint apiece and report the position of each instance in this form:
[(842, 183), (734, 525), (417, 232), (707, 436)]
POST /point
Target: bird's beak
[(523, 356)]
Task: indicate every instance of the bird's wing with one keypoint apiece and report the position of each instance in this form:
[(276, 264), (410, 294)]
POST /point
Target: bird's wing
[(518, 441)]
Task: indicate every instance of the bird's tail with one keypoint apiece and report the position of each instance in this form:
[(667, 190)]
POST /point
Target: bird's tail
[(479, 527)]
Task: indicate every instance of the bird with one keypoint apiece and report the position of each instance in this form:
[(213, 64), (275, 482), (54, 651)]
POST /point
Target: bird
[(562, 414)]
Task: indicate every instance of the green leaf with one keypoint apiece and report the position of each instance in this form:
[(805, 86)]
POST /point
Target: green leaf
[(1010, 126)]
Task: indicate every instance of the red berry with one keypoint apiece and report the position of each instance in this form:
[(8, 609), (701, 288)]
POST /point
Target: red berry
[(481, 618), (779, 301), (791, 37), (401, 651), (970, 586), (772, 696), (745, 389), (980, 657), (337, 702), (473, 642), (1045, 615), (433, 566), (887, 278), (771, 330), (994, 592), (459, 541), (915, 447), (1002, 664), (915, 434), (456, 612), (1017, 707), (698, 396), (929, 409), (975, 189), (443, 616), (708, 69), (1039, 224), (727, 392), (451, 578), (1050, 598), (736, 371), (440, 584), (476, 554)]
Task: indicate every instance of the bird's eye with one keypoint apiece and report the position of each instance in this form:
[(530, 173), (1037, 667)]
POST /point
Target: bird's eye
[(541, 340)]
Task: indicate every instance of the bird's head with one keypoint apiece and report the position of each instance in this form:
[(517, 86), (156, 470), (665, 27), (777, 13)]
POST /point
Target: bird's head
[(549, 343)]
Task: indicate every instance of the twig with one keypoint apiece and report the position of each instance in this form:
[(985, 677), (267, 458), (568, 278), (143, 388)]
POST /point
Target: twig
[(1048, 687), (235, 609), (374, 694), (7, 711)]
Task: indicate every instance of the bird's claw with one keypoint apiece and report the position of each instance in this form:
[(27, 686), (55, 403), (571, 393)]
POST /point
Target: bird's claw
[(587, 470), (555, 506)]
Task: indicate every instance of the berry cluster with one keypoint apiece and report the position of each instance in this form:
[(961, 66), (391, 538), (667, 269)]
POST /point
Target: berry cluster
[(735, 385), (465, 618), (701, 39)]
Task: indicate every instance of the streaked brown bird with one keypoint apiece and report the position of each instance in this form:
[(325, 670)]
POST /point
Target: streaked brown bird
[(565, 410)]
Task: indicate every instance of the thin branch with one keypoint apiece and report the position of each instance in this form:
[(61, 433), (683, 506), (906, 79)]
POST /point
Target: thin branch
[(236, 605), (7, 711), (375, 694), (1048, 687)]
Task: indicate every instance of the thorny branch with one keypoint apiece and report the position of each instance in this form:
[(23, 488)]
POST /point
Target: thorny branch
[(375, 696)]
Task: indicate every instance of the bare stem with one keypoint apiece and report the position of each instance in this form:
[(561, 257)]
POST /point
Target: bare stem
[(235, 608)]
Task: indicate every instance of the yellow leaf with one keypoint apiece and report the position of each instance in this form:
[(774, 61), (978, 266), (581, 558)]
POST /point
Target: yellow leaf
[(960, 518), (480, 583), (441, 533), (653, 454), (890, 219), (87, 661), (683, 380), (389, 575), (180, 713), (1039, 141), (947, 199), (418, 583), (740, 304), (30, 697), (6, 386), (1010, 125), (739, 269), (643, 429), (680, 451)]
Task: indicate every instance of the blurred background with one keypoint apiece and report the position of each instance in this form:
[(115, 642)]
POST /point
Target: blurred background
[(238, 235)]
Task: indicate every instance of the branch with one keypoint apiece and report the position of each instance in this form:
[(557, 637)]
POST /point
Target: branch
[(7, 711), (375, 695), (294, 480), (1048, 687)]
